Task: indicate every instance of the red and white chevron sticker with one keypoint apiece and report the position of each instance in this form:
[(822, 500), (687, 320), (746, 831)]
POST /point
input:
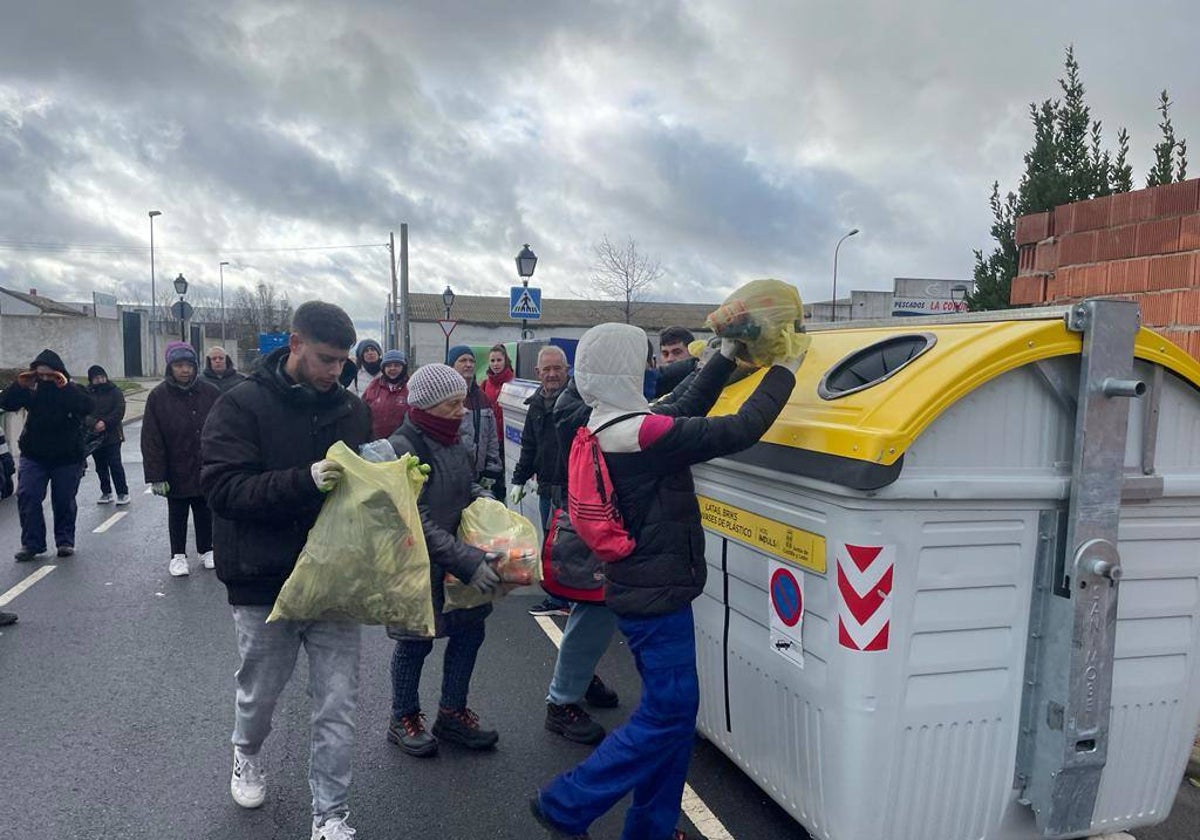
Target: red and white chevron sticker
[(865, 595)]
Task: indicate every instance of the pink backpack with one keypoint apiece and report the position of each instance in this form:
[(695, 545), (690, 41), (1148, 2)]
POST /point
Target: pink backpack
[(591, 500)]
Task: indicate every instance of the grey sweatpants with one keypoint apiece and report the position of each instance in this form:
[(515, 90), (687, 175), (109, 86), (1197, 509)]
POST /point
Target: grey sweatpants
[(268, 653)]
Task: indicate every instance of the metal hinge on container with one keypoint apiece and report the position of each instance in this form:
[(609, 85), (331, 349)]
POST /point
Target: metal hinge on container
[(1065, 709)]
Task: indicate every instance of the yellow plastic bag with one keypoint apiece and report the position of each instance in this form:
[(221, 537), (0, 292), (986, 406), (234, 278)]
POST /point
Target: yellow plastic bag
[(767, 316), (365, 559), (488, 524)]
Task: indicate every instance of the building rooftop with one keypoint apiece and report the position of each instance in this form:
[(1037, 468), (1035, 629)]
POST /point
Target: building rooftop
[(45, 304), (558, 312)]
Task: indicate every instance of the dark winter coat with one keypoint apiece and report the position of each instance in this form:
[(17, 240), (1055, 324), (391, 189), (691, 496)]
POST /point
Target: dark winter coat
[(673, 373), (657, 497), (171, 427), (222, 381), (258, 446), (479, 437), (450, 489), (54, 432), (109, 406), (7, 468), (540, 452)]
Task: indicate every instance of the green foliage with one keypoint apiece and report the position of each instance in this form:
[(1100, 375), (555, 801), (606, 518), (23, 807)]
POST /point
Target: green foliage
[(1170, 154), (995, 272)]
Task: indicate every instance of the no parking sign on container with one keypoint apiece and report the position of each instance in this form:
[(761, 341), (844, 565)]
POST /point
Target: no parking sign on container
[(786, 594)]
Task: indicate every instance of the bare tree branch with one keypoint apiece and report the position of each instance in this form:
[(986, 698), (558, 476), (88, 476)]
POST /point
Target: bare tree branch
[(621, 273)]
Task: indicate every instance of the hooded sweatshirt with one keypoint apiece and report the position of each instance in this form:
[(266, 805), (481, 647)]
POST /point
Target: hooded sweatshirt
[(53, 433), (649, 458)]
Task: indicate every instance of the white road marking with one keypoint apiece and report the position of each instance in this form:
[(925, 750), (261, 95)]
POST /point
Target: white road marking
[(702, 817), (111, 521), (25, 584)]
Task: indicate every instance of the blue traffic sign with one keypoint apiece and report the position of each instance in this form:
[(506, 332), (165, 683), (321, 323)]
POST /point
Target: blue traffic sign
[(525, 303)]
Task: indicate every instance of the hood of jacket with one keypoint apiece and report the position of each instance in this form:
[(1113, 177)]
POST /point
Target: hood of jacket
[(363, 346), (51, 360), (610, 367)]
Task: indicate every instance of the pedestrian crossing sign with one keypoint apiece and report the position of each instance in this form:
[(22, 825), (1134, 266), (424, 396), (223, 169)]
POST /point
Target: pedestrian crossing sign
[(525, 303)]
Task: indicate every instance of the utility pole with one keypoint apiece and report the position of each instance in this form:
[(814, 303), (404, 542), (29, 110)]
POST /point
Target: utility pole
[(395, 331), (402, 303)]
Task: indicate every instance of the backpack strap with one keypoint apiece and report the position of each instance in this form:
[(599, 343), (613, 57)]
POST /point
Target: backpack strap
[(617, 420)]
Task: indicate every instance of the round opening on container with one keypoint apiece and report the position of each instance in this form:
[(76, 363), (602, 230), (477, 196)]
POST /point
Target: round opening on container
[(873, 364)]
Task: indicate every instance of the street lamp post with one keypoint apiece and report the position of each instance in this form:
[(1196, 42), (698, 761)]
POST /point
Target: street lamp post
[(448, 300), (181, 285), (835, 258), (526, 263), (153, 300), (222, 267)]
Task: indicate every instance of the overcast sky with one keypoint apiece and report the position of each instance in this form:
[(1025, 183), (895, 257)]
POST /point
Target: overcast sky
[(731, 139)]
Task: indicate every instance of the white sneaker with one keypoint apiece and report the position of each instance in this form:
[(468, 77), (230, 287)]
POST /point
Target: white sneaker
[(179, 566), (105, 499), (335, 828), (206, 560), (123, 498), (247, 785)]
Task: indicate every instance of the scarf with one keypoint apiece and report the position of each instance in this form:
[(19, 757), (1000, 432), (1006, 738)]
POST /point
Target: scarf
[(442, 429), (372, 368)]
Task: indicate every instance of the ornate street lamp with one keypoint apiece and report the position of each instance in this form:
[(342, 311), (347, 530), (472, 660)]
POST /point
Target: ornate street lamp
[(448, 300), (181, 285)]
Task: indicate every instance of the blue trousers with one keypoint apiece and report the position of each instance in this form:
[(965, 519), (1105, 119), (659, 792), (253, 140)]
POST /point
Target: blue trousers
[(32, 479), (586, 637), (457, 667), (649, 755)]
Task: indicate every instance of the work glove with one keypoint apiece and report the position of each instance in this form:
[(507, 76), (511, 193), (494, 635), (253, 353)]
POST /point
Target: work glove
[(487, 483), (484, 577), (60, 381), (729, 347), (160, 488), (27, 379), (516, 494), (326, 474), (792, 364)]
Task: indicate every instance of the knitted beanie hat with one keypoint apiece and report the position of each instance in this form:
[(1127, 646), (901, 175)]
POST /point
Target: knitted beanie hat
[(393, 356), (180, 351), (433, 384), (458, 350)]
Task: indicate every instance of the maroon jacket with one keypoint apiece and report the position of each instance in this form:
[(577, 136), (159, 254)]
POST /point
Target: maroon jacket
[(388, 404), (171, 434)]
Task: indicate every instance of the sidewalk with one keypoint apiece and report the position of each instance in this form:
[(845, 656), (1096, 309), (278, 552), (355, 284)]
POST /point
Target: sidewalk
[(135, 403)]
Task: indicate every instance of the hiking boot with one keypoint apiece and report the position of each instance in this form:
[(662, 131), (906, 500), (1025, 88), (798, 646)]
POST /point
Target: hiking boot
[(573, 723), (248, 785), (105, 499), (554, 831), (550, 606), (206, 560), (178, 566), (7, 619), (335, 828), (461, 726), (600, 695), (122, 498), (409, 734), (26, 554), (66, 550)]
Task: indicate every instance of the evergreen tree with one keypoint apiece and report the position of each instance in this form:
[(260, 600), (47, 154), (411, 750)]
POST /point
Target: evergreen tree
[(1122, 172), (1163, 170), (995, 272)]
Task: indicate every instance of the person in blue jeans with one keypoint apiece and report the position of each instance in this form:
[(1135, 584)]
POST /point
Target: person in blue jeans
[(651, 590), (51, 446)]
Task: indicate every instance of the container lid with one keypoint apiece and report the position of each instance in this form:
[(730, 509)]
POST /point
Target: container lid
[(866, 393)]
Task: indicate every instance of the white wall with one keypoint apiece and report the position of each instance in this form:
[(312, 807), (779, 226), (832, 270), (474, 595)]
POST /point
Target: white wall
[(10, 305), (81, 342)]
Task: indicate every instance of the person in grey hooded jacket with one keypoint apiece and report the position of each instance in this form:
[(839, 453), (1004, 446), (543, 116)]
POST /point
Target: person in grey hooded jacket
[(436, 395)]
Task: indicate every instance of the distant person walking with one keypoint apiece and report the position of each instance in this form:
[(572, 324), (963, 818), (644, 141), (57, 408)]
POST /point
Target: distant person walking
[(51, 448), (479, 424), (368, 362), (219, 370), (175, 413), (108, 413)]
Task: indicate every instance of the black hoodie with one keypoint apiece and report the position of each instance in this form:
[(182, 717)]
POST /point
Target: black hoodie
[(257, 446), (53, 433)]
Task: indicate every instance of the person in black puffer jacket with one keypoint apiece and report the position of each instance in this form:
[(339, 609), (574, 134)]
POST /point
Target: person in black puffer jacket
[(104, 422), (436, 399), (651, 590), (51, 447), (219, 370), (265, 476), (175, 413)]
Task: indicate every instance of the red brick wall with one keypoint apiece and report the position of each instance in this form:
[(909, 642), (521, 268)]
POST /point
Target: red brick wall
[(1142, 246)]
